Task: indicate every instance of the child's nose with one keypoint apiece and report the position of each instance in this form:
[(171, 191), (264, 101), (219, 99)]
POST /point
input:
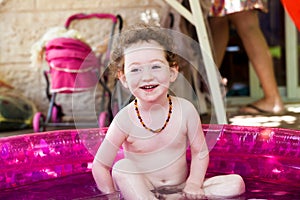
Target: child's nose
[(147, 73)]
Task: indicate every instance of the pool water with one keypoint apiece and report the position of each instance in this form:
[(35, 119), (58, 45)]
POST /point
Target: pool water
[(82, 187)]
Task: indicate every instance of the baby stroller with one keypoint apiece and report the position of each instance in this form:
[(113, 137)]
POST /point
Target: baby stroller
[(74, 67)]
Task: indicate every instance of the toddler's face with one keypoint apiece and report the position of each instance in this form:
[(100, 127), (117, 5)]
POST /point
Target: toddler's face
[(147, 73)]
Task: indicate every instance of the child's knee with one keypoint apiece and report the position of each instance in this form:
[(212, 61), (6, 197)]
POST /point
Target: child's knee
[(235, 185), (239, 184), (123, 167), (225, 185)]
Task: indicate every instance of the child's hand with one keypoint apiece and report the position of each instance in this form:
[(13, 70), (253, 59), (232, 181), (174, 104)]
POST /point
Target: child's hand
[(193, 191)]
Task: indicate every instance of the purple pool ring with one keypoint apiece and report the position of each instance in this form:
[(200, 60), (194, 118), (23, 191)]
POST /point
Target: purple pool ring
[(57, 164)]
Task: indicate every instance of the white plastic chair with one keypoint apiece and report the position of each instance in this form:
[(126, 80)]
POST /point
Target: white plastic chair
[(195, 17)]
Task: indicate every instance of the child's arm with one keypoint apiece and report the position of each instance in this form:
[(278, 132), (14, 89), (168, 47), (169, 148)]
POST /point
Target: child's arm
[(102, 177), (104, 159), (200, 156)]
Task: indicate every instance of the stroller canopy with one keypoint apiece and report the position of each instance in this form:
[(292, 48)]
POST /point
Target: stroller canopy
[(73, 65)]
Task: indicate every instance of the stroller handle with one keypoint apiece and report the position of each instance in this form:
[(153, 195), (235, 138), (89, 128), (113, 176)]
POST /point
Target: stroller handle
[(80, 16)]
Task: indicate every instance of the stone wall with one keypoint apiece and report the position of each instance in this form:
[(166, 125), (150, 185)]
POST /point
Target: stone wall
[(23, 23)]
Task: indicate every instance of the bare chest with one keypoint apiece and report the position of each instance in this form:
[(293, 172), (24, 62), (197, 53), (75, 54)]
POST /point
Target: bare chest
[(141, 140)]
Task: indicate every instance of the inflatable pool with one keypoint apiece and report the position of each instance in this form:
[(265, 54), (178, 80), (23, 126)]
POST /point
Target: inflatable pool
[(57, 164)]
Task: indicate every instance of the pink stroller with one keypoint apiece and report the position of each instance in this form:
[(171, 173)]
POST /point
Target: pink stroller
[(74, 67)]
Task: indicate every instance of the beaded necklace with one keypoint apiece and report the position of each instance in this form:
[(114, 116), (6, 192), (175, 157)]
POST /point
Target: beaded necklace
[(144, 125)]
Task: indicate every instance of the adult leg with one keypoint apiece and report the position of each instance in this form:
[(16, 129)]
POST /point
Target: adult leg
[(247, 25), (224, 186), (132, 184), (219, 27)]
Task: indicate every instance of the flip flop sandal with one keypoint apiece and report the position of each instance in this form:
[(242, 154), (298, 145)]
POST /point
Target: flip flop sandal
[(258, 111)]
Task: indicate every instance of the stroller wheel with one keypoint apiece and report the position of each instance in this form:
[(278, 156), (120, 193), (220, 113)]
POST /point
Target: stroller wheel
[(102, 119), (56, 114), (38, 122)]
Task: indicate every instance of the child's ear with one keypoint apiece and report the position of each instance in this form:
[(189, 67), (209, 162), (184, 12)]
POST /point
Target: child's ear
[(174, 73), (122, 78)]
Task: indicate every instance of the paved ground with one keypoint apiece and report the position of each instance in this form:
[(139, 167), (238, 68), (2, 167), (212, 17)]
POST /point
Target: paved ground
[(290, 120)]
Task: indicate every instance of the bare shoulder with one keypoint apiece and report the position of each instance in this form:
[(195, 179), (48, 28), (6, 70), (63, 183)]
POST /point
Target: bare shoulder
[(123, 119), (123, 112)]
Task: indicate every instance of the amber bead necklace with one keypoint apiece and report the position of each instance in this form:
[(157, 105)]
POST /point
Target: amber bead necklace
[(144, 125)]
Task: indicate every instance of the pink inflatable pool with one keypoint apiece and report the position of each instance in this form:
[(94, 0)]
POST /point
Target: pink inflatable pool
[(57, 164)]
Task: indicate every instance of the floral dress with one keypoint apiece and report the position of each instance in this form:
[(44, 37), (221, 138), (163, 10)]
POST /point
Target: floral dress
[(225, 7)]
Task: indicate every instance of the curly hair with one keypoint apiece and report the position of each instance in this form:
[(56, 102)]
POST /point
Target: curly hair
[(142, 33)]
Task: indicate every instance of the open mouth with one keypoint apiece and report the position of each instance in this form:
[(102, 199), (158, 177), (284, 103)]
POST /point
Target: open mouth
[(148, 87)]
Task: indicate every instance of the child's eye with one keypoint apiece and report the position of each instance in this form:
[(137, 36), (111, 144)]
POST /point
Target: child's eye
[(156, 67), (135, 70)]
